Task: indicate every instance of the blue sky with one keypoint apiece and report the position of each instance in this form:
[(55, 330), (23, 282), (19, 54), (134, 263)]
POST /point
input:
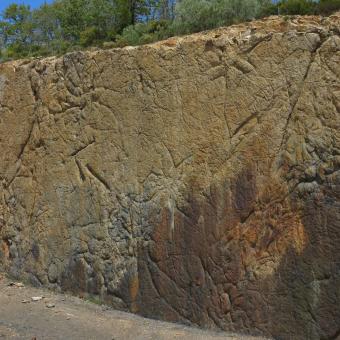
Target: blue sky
[(32, 3)]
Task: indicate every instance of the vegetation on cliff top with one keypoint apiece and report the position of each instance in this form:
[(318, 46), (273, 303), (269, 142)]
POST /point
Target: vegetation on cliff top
[(68, 25)]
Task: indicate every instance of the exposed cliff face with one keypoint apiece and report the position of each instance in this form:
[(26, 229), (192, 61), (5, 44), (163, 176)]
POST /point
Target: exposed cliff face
[(195, 180)]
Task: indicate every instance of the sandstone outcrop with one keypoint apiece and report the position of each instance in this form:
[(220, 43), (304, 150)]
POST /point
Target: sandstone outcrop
[(193, 180)]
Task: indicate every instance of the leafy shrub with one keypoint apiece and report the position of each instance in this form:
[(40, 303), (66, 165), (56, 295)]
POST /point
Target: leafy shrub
[(198, 15), (89, 36), (269, 9), (327, 7), (130, 35), (143, 33), (295, 7)]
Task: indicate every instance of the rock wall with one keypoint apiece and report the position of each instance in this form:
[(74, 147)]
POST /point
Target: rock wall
[(193, 180)]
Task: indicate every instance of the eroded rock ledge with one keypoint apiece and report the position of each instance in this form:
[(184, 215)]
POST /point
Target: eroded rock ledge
[(193, 180)]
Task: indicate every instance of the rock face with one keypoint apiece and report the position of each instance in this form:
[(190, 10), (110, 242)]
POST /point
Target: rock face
[(193, 180)]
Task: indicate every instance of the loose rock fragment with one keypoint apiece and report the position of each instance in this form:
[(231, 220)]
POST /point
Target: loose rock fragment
[(16, 284), (36, 298)]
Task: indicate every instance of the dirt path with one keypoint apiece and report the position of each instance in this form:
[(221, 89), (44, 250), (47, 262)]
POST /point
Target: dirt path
[(58, 316)]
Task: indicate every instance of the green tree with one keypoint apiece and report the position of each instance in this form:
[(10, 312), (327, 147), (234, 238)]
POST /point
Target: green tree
[(17, 30), (18, 23), (47, 25), (72, 16), (127, 12)]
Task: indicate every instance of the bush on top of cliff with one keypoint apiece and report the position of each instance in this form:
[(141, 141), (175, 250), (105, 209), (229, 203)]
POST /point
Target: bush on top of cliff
[(190, 16), (304, 7), (327, 7), (294, 7), (197, 15), (68, 25)]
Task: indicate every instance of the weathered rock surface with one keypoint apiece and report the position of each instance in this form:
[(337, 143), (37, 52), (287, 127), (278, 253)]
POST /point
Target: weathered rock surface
[(193, 180)]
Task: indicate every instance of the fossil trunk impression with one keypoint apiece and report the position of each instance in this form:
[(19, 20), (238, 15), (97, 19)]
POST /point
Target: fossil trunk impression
[(193, 180)]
